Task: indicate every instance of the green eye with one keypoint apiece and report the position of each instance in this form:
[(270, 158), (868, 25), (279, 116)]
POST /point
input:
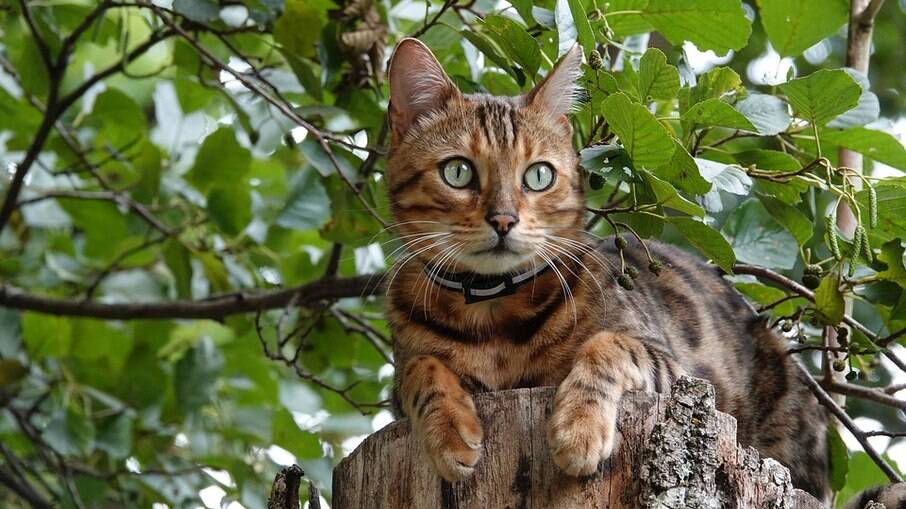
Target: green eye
[(457, 173), (539, 177)]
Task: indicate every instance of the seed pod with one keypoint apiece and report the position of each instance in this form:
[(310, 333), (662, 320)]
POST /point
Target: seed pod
[(814, 269), (625, 281), (596, 181), (830, 222), (787, 326), (811, 281), (872, 207), (620, 242), (842, 333), (839, 365), (594, 60), (655, 268), (632, 272), (852, 375)]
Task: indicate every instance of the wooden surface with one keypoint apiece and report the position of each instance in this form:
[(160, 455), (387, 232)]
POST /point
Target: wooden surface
[(674, 452)]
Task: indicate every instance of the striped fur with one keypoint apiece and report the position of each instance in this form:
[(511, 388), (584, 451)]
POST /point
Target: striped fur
[(573, 327)]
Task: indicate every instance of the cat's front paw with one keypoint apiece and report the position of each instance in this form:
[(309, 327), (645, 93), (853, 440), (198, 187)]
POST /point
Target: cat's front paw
[(451, 434), (581, 434)]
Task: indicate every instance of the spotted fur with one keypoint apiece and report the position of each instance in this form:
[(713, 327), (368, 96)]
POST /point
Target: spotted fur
[(573, 326)]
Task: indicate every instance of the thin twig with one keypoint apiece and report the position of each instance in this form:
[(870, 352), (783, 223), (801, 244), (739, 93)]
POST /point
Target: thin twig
[(844, 419)]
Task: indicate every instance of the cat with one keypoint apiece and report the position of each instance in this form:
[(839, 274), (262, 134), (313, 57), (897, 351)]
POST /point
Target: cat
[(501, 288)]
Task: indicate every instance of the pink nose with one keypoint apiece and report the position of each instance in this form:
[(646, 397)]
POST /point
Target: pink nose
[(501, 222)]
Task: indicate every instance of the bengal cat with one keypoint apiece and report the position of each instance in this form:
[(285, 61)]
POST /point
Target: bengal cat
[(501, 288)]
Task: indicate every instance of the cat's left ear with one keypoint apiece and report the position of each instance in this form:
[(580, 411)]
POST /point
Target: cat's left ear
[(557, 92)]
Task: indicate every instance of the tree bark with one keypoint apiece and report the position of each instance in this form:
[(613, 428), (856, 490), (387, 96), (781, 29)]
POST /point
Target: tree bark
[(675, 452)]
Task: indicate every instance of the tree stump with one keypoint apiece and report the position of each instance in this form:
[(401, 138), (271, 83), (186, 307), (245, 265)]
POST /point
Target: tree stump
[(675, 452)]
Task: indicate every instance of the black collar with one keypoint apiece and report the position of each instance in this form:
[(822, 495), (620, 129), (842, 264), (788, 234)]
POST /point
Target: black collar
[(481, 287)]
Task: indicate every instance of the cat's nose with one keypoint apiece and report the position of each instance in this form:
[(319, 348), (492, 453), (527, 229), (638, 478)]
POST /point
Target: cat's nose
[(502, 222)]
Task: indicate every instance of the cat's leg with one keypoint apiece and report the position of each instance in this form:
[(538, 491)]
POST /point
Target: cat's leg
[(581, 431), (443, 416)]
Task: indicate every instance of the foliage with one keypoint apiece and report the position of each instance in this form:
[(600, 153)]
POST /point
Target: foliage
[(194, 201)]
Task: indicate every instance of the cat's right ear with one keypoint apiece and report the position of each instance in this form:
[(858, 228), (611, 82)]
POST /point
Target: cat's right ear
[(418, 84)]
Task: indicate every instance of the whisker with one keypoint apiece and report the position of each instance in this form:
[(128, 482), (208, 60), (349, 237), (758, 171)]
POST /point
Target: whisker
[(563, 250), (566, 291)]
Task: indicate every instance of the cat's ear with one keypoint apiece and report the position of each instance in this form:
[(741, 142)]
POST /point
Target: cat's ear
[(418, 84), (557, 92)]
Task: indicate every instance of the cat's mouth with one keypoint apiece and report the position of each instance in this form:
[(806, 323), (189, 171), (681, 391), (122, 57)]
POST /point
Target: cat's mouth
[(499, 248)]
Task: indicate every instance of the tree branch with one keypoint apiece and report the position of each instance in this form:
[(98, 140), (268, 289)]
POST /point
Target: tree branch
[(844, 419), (214, 308), (24, 491), (282, 106), (867, 393)]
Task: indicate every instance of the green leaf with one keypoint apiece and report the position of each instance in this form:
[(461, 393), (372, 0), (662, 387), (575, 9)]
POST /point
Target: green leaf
[(793, 26), (306, 73), (118, 118), (177, 259), (46, 336), (714, 84), (646, 140), (602, 159), (490, 50), (286, 434), (188, 335), (767, 113), (230, 206), (878, 145), (767, 295), (220, 160), (758, 239), (657, 79), (202, 11), (321, 160), (11, 371), (839, 458), (707, 240), (716, 113), (299, 27), (94, 340), (795, 222), (891, 208), (862, 473), (572, 22), (775, 161), (195, 376), (829, 300), (515, 42), (626, 17), (69, 433), (307, 205), (718, 25), (115, 436), (892, 255), (822, 95), (867, 110), (682, 172), (524, 8), (350, 223), (666, 195)]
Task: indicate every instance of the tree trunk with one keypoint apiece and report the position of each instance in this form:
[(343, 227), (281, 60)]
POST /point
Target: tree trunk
[(675, 452)]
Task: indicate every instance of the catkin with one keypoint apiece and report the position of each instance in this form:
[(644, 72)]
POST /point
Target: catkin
[(830, 224), (872, 207), (857, 248)]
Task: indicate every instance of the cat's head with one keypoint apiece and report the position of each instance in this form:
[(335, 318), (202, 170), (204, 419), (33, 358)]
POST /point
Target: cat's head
[(481, 183)]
